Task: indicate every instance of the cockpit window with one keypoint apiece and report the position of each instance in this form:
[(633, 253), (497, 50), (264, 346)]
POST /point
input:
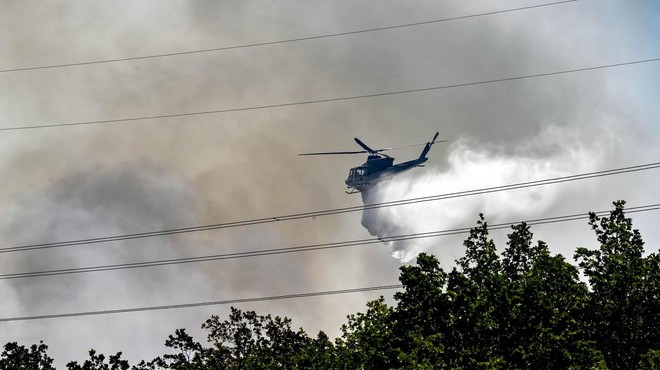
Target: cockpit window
[(357, 172)]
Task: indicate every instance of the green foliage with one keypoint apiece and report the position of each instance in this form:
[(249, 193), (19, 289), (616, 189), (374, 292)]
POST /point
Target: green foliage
[(526, 310), (520, 254), (476, 296), (248, 340), (17, 357), (481, 259), (366, 340), (650, 360), (623, 317), (422, 304), (547, 329), (97, 362), (421, 316), (190, 355), (319, 354)]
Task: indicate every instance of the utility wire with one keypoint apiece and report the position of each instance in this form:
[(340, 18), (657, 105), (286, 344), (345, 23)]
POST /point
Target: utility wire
[(328, 100), (312, 247), (281, 41), (335, 211), (201, 304), (268, 298)]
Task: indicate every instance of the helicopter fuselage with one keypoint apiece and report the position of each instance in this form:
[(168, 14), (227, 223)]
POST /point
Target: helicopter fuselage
[(377, 169)]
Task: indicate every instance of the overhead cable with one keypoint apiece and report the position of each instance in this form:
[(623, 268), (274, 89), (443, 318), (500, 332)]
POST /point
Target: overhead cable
[(308, 38), (202, 304), (328, 100), (335, 211), (307, 248)]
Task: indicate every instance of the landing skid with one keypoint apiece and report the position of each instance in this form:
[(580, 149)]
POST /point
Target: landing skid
[(353, 191)]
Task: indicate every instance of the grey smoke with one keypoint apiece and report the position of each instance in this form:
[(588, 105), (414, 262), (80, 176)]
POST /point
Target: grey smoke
[(144, 175)]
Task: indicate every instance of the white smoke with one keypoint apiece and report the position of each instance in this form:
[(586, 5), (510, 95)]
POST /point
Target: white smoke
[(556, 151)]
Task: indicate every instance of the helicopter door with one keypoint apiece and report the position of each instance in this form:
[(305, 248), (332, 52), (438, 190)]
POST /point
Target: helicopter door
[(360, 174)]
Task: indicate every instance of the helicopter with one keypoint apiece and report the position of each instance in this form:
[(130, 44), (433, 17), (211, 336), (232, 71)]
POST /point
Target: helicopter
[(378, 166)]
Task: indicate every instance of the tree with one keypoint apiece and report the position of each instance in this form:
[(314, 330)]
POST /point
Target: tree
[(521, 312), (475, 292), (18, 357), (520, 254), (652, 304), (550, 328), (620, 318), (481, 260), (190, 355), (319, 354), (518, 261), (366, 342), (421, 316), (248, 340), (541, 321), (97, 362)]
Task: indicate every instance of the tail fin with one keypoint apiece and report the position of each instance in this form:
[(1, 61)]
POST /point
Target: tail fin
[(428, 146)]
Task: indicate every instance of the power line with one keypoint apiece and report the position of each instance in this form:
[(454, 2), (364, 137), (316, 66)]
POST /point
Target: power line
[(281, 41), (328, 100), (335, 211), (201, 304), (285, 296), (307, 248)]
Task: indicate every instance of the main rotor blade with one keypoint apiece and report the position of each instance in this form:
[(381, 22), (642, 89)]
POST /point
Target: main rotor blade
[(368, 150), (405, 146), (333, 153)]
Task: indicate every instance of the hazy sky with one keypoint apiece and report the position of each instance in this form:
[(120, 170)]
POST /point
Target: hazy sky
[(75, 182)]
